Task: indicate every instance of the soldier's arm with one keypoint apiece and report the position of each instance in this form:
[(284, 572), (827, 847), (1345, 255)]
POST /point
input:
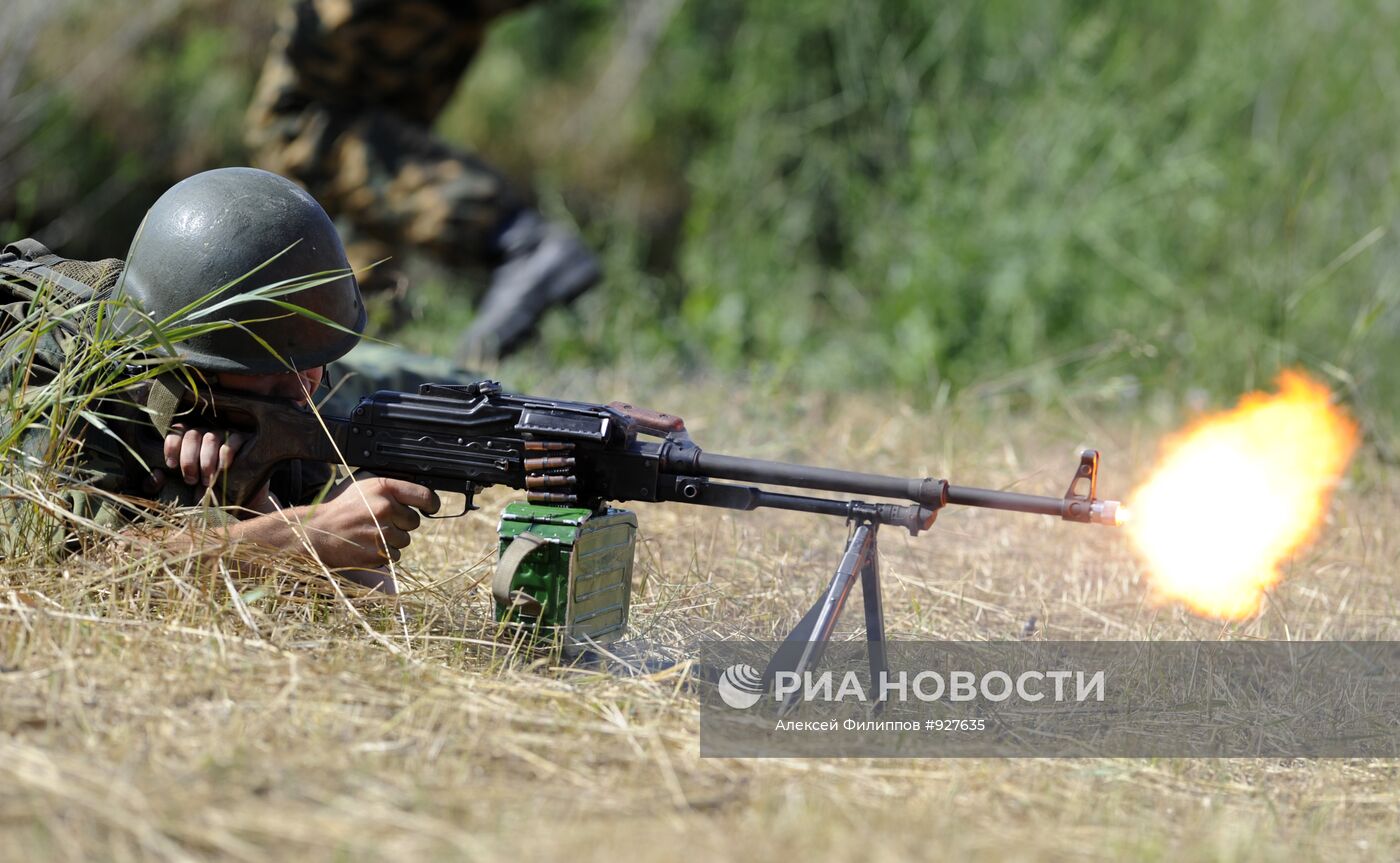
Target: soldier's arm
[(364, 524)]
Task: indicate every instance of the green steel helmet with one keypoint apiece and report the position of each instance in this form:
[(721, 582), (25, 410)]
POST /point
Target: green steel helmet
[(239, 230)]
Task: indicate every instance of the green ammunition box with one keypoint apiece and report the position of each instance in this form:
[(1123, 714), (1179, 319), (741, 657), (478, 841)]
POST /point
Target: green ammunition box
[(573, 575)]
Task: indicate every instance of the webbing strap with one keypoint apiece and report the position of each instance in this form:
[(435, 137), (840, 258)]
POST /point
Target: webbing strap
[(164, 396), (509, 565), (33, 257), (27, 249), (76, 290)]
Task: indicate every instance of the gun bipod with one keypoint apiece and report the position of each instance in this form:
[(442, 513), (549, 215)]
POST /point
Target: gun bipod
[(803, 648)]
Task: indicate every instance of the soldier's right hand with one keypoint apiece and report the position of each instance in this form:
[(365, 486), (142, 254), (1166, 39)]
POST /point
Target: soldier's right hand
[(366, 521)]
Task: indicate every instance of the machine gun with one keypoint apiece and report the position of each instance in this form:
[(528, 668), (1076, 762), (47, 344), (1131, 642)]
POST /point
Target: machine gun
[(566, 555)]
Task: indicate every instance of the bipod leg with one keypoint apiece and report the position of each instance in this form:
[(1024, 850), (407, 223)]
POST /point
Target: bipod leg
[(803, 647), (874, 620)]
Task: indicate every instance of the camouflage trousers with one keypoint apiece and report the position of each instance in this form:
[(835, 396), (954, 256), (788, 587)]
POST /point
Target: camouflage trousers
[(345, 107)]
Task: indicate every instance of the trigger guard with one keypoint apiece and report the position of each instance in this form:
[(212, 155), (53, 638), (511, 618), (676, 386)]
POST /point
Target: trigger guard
[(469, 504)]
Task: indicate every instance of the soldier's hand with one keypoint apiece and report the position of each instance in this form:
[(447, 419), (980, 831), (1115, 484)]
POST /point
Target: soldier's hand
[(200, 455), (367, 520)]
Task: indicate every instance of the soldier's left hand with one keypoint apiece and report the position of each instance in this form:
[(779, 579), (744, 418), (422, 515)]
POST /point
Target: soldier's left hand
[(200, 455)]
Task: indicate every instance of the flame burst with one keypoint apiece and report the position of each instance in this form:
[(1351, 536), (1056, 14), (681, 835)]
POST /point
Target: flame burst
[(1237, 492)]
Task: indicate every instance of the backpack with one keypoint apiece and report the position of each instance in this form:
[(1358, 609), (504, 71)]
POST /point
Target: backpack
[(27, 264), (30, 273)]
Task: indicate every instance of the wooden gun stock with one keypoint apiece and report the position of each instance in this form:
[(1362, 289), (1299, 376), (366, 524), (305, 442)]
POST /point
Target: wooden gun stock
[(278, 432)]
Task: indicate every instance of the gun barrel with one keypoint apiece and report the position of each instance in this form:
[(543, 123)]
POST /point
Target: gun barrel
[(932, 493), (928, 492), (1106, 512), (1008, 500)]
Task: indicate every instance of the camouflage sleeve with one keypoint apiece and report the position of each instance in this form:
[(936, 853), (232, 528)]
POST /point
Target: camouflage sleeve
[(345, 107)]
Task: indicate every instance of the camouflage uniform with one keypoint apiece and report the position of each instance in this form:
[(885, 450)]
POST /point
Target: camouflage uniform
[(345, 107)]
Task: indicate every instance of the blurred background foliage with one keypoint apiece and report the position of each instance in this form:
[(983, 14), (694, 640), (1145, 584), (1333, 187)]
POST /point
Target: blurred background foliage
[(1005, 197)]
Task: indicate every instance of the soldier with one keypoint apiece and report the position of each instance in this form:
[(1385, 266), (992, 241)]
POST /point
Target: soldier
[(346, 106), (205, 252)]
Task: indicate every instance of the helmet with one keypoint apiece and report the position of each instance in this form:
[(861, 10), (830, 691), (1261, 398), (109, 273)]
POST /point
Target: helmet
[(212, 231)]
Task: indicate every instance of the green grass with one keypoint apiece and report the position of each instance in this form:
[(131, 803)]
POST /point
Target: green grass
[(901, 194)]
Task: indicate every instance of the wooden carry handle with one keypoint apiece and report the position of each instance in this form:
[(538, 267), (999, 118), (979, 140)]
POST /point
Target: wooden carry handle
[(649, 420)]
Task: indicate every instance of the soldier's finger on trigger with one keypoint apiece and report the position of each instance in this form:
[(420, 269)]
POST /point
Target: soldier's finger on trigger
[(412, 494)]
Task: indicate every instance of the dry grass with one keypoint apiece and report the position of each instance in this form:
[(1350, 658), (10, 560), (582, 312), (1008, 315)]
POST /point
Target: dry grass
[(151, 711)]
